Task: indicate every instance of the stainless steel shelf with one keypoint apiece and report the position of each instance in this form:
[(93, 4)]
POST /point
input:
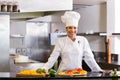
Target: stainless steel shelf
[(93, 34), (16, 36), (115, 33)]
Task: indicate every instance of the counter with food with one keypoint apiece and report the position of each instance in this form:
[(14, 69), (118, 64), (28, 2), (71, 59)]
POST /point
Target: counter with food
[(33, 70), (69, 74)]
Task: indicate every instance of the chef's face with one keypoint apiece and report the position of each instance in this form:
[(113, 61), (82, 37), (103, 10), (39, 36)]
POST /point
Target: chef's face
[(71, 31)]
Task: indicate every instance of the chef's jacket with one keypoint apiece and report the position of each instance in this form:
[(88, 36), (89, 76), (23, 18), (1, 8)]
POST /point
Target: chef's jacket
[(72, 54)]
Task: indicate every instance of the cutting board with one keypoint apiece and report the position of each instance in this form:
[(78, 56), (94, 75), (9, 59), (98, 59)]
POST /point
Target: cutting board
[(30, 75), (74, 75)]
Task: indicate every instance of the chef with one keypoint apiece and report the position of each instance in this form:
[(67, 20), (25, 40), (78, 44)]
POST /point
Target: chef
[(72, 49)]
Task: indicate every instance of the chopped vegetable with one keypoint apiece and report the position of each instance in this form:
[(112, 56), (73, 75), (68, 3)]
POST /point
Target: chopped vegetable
[(40, 70), (52, 72), (76, 71)]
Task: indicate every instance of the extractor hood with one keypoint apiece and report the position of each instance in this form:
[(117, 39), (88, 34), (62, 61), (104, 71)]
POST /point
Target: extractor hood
[(53, 18)]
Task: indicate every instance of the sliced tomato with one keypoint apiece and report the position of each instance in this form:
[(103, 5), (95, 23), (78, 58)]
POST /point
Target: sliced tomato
[(68, 71), (79, 69)]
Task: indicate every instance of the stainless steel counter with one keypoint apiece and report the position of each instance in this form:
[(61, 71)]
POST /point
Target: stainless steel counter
[(16, 67), (89, 76), (4, 74)]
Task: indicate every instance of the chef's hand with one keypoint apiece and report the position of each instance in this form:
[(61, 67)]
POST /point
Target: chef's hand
[(102, 71)]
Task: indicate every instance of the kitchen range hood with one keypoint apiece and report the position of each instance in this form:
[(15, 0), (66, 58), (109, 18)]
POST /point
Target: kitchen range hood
[(42, 16), (48, 18)]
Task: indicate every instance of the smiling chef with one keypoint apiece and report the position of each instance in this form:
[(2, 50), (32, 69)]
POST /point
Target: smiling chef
[(72, 49)]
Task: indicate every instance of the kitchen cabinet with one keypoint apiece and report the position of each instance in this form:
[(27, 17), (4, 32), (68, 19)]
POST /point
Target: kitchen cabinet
[(43, 5), (35, 6)]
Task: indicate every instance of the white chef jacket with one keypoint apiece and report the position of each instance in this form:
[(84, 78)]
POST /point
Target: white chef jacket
[(72, 54)]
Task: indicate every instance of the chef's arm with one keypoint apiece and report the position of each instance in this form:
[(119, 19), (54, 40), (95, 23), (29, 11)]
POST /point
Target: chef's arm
[(53, 57), (89, 58)]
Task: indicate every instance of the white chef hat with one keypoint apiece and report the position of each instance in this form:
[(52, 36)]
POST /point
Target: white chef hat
[(70, 18)]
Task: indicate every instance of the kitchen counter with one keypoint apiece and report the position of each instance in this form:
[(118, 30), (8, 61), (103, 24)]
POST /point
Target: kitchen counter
[(89, 76), (16, 67), (109, 66)]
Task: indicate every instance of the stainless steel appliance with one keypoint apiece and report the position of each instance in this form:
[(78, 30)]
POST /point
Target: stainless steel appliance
[(37, 41), (4, 42)]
